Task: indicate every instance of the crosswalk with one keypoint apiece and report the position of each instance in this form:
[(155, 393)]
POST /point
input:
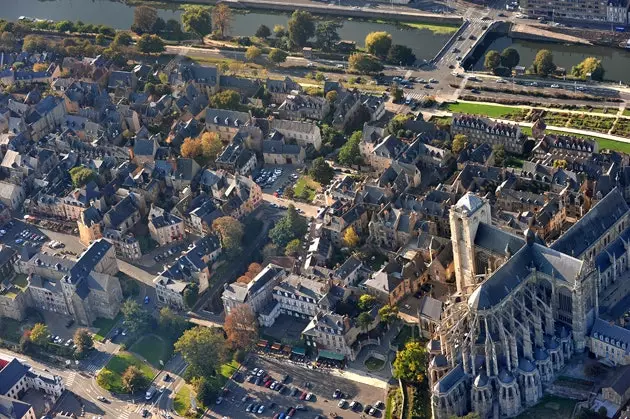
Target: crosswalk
[(70, 379), (93, 368), (123, 415)]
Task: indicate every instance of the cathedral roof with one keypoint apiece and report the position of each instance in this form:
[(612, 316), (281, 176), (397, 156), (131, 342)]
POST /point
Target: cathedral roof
[(550, 342), (469, 202), (439, 361), (481, 380), (496, 240), (589, 229), (505, 377), (516, 270), (540, 354), (450, 379), (525, 365)]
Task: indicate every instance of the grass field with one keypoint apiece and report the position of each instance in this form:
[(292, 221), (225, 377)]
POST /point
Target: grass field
[(493, 111), (406, 334), (229, 368), (374, 364), (550, 407), (306, 188), (626, 112), (394, 400), (10, 329), (436, 29), (153, 349), (110, 377), (104, 326)]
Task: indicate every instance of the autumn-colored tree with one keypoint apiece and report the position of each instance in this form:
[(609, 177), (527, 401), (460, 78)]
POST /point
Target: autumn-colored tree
[(190, 148), (350, 237), (222, 18), (211, 145), (459, 143), (38, 67), (254, 269), (243, 279), (241, 327), (133, 379), (39, 334), (230, 232), (410, 363)]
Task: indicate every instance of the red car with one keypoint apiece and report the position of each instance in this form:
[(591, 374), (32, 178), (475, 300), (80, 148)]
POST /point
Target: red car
[(291, 412), (276, 416), (303, 395), (268, 383)]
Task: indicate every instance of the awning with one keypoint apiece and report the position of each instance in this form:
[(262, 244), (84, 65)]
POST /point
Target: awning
[(276, 346), (262, 343), (299, 351), (330, 355)]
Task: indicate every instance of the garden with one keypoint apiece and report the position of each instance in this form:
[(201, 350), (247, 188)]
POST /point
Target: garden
[(104, 326), (305, 188), (110, 377), (550, 407), (153, 348)]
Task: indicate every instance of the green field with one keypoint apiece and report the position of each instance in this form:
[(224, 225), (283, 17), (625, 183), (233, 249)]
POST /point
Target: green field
[(152, 348), (436, 29), (306, 188), (11, 329), (110, 377), (550, 407), (181, 404), (493, 111), (104, 326), (229, 368)]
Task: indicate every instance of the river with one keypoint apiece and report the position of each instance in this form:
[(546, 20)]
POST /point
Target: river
[(424, 43), (616, 61)]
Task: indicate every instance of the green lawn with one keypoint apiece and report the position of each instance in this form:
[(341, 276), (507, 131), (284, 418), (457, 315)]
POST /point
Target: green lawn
[(306, 188), (181, 404), (550, 407), (374, 364), (20, 281), (394, 400), (152, 348), (626, 112), (104, 326), (406, 334), (604, 143), (229, 368), (110, 377), (493, 111), (436, 29)]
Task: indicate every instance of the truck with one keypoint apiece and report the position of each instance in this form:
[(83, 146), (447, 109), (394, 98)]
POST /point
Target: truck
[(150, 392)]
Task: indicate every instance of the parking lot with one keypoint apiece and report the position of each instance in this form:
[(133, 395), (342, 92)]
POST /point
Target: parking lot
[(320, 383), (274, 179), (19, 234)]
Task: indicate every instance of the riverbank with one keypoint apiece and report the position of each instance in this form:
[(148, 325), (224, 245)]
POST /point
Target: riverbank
[(395, 15)]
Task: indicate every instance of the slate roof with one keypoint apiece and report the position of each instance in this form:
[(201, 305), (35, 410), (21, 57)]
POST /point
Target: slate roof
[(430, 308), (617, 336), (593, 225), (496, 240), (145, 147), (449, 381), (613, 251), (88, 259), (349, 266), (512, 273), (14, 409), (226, 117), (469, 202), (11, 374), (622, 383)]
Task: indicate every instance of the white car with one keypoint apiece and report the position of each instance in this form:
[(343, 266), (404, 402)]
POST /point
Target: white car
[(342, 403), (309, 396), (555, 86), (219, 400), (501, 81), (261, 409)]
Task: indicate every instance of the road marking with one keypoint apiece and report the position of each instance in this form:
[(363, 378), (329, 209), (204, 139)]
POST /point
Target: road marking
[(70, 379)]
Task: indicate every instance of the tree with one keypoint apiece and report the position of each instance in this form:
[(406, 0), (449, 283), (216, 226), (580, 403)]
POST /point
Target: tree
[(364, 320), (137, 320), (397, 94), (173, 27), (65, 26), (83, 340), (410, 364), (37, 67), (191, 294), (197, 19), (253, 53), (241, 327), (401, 55), (388, 314), (562, 164), (365, 63), (326, 36), (122, 39), (589, 67), (279, 31), (206, 393), (350, 154), (230, 231), (203, 348), (39, 334), (81, 176), (492, 61), (510, 58), (366, 301), (100, 40), (211, 145), (293, 247), (331, 96), (226, 99), (301, 28), (291, 226), (190, 148), (150, 44), (321, 171), (263, 32), (277, 56), (171, 323), (378, 43), (351, 238), (543, 63), (133, 379), (222, 18), (499, 154), (459, 143), (144, 18), (158, 26)]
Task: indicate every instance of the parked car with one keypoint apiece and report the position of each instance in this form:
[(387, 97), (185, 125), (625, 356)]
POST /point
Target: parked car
[(261, 409), (342, 403), (337, 394)]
